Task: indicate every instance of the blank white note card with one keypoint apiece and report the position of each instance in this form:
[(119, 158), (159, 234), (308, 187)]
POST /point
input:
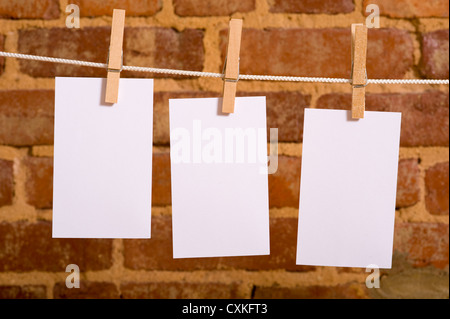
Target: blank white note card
[(220, 204), (102, 159), (348, 189)]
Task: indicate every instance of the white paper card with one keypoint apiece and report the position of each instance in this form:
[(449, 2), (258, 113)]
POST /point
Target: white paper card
[(348, 189), (220, 204), (102, 159)]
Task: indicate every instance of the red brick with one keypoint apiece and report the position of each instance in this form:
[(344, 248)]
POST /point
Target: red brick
[(87, 290), (328, 53), (6, 182), (161, 185), (156, 254), (312, 6), (163, 48), (26, 117), (26, 246), (437, 189), (435, 52), (31, 9), (135, 8), (2, 60), (408, 183), (284, 111), (284, 185), (425, 115), (39, 185), (86, 44), (410, 8), (342, 291), (180, 290), (423, 244), (204, 8), (143, 46), (23, 292)]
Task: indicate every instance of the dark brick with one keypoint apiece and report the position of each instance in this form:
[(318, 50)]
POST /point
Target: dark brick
[(6, 182), (135, 8), (23, 292), (143, 46), (284, 185), (28, 246), (156, 254), (312, 6), (435, 54), (343, 291), (205, 8), (328, 53), (26, 117), (408, 183), (423, 244), (425, 115), (39, 185), (436, 181), (87, 290), (31, 9), (410, 9), (181, 290)]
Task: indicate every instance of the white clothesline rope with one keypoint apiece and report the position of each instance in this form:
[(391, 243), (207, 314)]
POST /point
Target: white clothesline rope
[(218, 75)]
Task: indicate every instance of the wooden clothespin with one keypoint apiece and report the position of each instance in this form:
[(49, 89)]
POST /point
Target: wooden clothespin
[(115, 56), (359, 71), (231, 74)]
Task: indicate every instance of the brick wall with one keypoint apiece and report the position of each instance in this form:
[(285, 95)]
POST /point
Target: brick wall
[(280, 37)]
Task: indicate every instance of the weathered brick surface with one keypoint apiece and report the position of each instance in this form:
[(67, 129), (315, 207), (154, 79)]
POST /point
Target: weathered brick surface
[(135, 8), (284, 111), (405, 281), (205, 8), (284, 185), (343, 291), (423, 244), (425, 115), (312, 6), (143, 46), (39, 185), (180, 290), (6, 182), (435, 54), (26, 246), (436, 180), (408, 183), (31, 9), (26, 117), (161, 185), (2, 60), (390, 52), (163, 48), (86, 44), (23, 292), (410, 8), (156, 254), (87, 290)]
